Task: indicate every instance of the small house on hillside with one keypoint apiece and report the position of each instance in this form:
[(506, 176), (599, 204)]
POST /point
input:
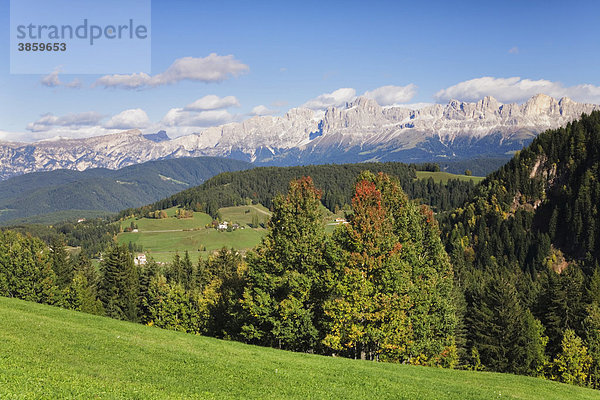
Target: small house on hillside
[(140, 259), (223, 225)]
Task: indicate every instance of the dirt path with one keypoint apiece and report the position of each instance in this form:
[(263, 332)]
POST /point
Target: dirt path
[(163, 231), (261, 211)]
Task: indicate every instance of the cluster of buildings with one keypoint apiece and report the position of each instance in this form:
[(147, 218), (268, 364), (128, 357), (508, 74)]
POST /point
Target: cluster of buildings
[(223, 226)]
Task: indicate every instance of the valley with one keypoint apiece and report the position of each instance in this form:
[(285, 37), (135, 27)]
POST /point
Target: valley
[(286, 257)]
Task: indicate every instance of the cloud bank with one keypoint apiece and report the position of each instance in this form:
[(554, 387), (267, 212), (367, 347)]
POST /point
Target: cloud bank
[(516, 90), (389, 95), (210, 69), (336, 98)]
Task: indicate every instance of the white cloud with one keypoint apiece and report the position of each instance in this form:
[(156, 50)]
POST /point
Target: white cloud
[(57, 132), (72, 121), (513, 50), (132, 81), (334, 99), (517, 90), (212, 102), (178, 117), (388, 95), (261, 110), (52, 80), (129, 119), (213, 68)]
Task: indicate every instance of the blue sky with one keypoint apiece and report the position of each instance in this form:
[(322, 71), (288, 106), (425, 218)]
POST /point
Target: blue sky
[(283, 54)]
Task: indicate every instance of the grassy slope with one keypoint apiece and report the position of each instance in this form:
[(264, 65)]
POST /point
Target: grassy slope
[(190, 233), (445, 176), (47, 352), (243, 214)]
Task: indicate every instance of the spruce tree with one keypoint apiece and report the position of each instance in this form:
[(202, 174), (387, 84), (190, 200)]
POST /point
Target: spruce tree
[(61, 264), (496, 321), (283, 296), (118, 289)]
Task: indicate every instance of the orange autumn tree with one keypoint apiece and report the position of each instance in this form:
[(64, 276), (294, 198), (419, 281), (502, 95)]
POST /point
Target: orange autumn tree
[(391, 296)]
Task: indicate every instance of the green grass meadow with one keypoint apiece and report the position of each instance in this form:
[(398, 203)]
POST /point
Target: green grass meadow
[(51, 353), (162, 238), (443, 177)]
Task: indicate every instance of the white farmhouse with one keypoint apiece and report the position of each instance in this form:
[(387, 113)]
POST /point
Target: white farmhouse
[(223, 225), (140, 259)]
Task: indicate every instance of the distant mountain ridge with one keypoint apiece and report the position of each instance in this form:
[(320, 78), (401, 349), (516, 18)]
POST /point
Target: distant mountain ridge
[(101, 189), (360, 131)]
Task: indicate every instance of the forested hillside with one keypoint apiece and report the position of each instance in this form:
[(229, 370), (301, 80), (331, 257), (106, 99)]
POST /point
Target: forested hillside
[(525, 252), (261, 185), (103, 189), (301, 289)]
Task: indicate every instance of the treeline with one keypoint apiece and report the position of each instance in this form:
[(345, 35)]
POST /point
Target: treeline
[(525, 254), (380, 288), (93, 236), (261, 185)]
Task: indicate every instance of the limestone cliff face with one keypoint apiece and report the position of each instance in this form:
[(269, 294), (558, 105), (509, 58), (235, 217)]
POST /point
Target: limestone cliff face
[(360, 131)]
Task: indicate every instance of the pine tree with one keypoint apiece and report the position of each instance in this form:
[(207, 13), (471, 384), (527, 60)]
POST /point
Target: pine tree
[(79, 296), (283, 296), (592, 331), (60, 263), (26, 269), (148, 272), (221, 295), (563, 302), (496, 321), (187, 272), (118, 289), (175, 272)]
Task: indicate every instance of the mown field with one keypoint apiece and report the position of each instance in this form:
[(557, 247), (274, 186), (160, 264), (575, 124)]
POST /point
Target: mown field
[(445, 176), (48, 352), (161, 238)]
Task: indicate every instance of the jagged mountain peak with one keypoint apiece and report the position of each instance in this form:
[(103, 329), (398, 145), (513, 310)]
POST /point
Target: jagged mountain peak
[(540, 104), (365, 103), (359, 131)]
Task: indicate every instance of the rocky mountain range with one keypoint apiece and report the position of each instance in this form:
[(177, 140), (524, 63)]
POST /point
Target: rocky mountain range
[(360, 131)]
